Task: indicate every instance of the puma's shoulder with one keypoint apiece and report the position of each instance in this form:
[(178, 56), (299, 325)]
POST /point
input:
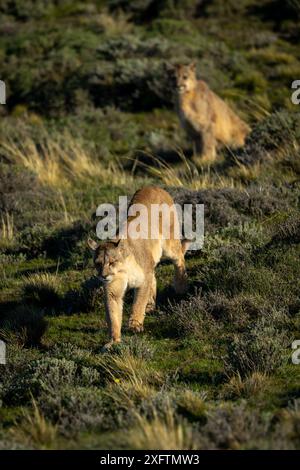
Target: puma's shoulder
[(202, 87), (151, 195)]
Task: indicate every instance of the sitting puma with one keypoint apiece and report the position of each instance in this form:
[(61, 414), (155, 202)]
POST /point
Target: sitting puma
[(126, 263), (206, 118)]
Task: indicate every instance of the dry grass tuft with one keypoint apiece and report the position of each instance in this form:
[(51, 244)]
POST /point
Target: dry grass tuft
[(239, 387), (58, 160), (246, 173), (34, 429), (162, 433), (7, 230), (187, 175), (131, 379), (42, 288), (129, 367), (114, 24)]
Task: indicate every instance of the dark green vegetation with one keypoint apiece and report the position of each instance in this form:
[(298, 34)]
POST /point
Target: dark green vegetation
[(89, 95)]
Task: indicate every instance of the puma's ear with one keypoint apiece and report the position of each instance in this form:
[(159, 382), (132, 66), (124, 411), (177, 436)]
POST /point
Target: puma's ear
[(116, 242), (92, 244), (193, 66), (123, 247)]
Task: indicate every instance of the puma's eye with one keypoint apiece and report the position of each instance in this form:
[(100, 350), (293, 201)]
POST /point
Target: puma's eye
[(185, 77)]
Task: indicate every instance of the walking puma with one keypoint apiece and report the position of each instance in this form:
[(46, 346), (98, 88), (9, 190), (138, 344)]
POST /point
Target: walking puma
[(126, 263), (206, 118)]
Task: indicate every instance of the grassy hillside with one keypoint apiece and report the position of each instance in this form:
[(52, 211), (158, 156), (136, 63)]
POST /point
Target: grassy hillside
[(89, 117)]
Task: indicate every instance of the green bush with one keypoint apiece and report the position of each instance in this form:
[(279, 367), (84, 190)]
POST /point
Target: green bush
[(139, 84), (31, 240)]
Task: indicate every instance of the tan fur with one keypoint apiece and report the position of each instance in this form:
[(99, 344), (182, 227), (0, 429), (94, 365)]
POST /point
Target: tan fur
[(206, 118), (128, 263)]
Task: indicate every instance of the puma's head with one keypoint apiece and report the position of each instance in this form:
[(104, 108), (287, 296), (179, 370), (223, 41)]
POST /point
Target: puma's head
[(185, 77), (109, 258)]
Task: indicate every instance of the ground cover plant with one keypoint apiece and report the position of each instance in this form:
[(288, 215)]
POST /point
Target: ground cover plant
[(89, 117)]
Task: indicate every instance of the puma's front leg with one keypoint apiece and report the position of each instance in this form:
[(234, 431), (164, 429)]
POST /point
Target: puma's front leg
[(205, 147), (141, 298), (152, 296), (180, 278), (114, 293), (209, 146)]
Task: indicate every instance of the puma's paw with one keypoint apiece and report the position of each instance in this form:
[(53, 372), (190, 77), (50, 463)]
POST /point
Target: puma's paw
[(150, 307), (110, 345), (136, 326)]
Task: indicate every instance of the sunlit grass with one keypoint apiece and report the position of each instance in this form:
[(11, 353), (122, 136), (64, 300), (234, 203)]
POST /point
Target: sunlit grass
[(59, 160), (34, 429), (7, 230), (162, 432), (187, 175)]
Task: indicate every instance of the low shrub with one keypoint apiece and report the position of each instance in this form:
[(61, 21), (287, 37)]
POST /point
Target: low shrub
[(46, 377), (287, 232), (72, 352), (31, 240), (240, 310), (75, 409), (137, 84), (191, 318), (23, 197), (261, 348), (139, 347), (234, 427), (276, 132), (223, 207)]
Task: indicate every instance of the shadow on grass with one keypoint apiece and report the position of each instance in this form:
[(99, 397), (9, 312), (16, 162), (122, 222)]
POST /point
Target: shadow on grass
[(24, 325), (157, 158), (64, 242), (276, 10)]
